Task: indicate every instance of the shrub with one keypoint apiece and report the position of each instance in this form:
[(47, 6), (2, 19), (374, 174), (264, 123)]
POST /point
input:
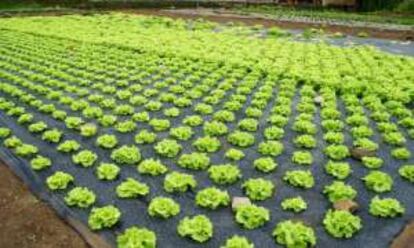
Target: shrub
[(53, 135), (240, 139), (193, 120), (199, 228), (179, 182), (271, 148), (339, 170), (107, 141), (80, 197), (341, 223), (103, 217), (40, 163), (131, 188), (37, 127), (338, 191), (337, 152), (299, 178), (181, 133), (195, 161), (125, 126), (168, 148), (273, 133), (265, 164), (401, 153), (386, 207), (4, 132), (12, 142), (305, 141), (372, 162), (73, 122), (159, 124), (86, 158), (294, 234), (145, 137), (207, 144), (212, 198), (107, 171), (407, 172), (88, 130), (250, 216), (126, 155), (234, 154), (378, 181), (59, 180), (295, 204), (215, 128), (237, 242), (258, 189), (163, 207), (224, 174), (302, 158), (26, 150), (68, 146), (152, 167)]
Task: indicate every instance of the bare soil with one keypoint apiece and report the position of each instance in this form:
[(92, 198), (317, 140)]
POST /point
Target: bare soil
[(26, 222)]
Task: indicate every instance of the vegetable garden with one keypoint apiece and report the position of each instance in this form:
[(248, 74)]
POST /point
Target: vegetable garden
[(147, 128)]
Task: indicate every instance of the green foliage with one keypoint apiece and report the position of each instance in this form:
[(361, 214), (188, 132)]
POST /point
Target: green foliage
[(366, 144), (107, 171), (334, 137), (59, 180), (386, 207), (107, 120), (372, 162), (337, 152), (378, 181), (145, 137), (271, 148), (224, 116), (25, 118), (207, 144), (407, 172), (193, 120), (215, 128), (273, 133), (195, 161), (295, 204), (88, 130), (135, 237), (250, 216), (172, 112), (305, 141), (40, 163), (125, 126), (163, 207), (126, 155), (179, 182), (212, 198), (299, 178), (292, 234), (248, 124), (338, 191), (37, 127), (131, 188), (86, 158), (224, 174), (234, 154), (168, 148), (305, 127), (141, 117), (159, 124), (199, 228), (401, 153), (203, 108), (53, 135), (103, 217), (4, 132), (80, 197), (107, 141), (302, 158), (73, 122), (151, 167), (240, 139), (341, 223), (258, 189), (12, 142), (181, 133), (26, 150), (237, 242), (339, 170), (265, 164), (68, 146)]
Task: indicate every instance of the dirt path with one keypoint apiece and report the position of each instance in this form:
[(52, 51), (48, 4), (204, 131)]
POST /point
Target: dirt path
[(27, 222)]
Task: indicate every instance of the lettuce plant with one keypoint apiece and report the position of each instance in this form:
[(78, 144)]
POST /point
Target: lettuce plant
[(195, 161), (138, 100), (339, 170), (73, 122), (107, 171), (207, 144), (179, 182), (294, 204), (401, 153), (271, 148), (141, 117), (107, 141), (273, 133), (224, 116), (365, 143), (203, 109), (337, 152), (80, 197), (153, 106), (181, 133), (250, 216), (338, 191), (107, 120), (372, 162), (265, 164), (86, 158), (59, 180), (258, 189), (215, 128), (25, 118), (334, 137), (302, 158), (136, 237), (199, 228), (332, 125), (172, 112), (299, 178), (37, 127), (361, 132), (68, 146), (193, 120), (163, 207), (40, 163), (305, 127), (394, 138), (53, 135), (125, 126), (212, 198), (124, 110), (237, 242), (88, 130), (168, 148), (151, 167), (378, 181), (12, 142), (386, 207), (305, 141), (224, 174), (341, 223), (292, 234), (4, 132), (234, 154), (407, 172), (159, 124), (103, 217), (248, 124), (240, 139), (126, 155), (145, 137), (278, 120), (92, 112), (26, 150), (131, 188)]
